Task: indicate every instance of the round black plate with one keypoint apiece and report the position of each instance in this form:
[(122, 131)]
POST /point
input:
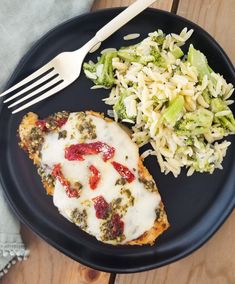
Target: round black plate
[(196, 206)]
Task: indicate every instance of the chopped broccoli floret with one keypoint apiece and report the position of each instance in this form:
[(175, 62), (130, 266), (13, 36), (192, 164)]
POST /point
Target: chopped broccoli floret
[(199, 61), (90, 66), (154, 52), (206, 96), (202, 165), (106, 78), (158, 59), (126, 56), (146, 59), (177, 52), (227, 121), (158, 39), (195, 123), (120, 108), (174, 111), (154, 57), (218, 105), (129, 47)]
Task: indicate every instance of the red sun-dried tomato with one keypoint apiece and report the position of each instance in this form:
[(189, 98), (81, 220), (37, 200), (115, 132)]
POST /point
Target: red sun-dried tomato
[(72, 153), (117, 225), (94, 178), (75, 152), (123, 171), (61, 121), (42, 124), (101, 207), (106, 150), (57, 173)]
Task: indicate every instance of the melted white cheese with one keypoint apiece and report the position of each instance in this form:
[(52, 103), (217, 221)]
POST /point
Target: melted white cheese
[(138, 218)]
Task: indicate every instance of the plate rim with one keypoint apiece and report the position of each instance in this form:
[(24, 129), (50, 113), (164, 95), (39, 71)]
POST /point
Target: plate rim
[(169, 260)]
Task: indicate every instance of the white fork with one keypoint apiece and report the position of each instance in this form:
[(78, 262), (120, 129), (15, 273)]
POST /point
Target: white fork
[(65, 68)]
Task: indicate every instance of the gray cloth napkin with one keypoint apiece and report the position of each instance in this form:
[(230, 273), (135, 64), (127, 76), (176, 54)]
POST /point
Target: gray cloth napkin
[(21, 24)]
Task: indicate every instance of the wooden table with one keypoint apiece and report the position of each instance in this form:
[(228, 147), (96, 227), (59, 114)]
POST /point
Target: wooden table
[(215, 261)]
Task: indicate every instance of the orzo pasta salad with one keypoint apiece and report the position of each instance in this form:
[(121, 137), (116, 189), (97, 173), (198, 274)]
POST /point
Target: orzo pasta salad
[(173, 100)]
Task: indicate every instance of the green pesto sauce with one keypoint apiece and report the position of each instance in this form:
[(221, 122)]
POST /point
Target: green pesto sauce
[(86, 127), (116, 206), (48, 178), (62, 134), (148, 184), (80, 218)]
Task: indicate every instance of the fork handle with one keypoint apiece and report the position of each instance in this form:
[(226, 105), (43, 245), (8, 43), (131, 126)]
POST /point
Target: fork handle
[(116, 23), (123, 18)]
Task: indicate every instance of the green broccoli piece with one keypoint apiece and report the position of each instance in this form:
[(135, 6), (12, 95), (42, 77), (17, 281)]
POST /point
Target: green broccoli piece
[(129, 47), (206, 96), (107, 75), (201, 165), (195, 123), (158, 39), (174, 111), (126, 56), (146, 59), (189, 141), (155, 53), (158, 59), (218, 105), (199, 61), (90, 67), (133, 57), (177, 52), (120, 108), (227, 121)]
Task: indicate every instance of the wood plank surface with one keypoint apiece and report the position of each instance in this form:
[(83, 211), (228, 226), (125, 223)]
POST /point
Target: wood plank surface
[(101, 4), (46, 265), (214, 263), (215, 16)]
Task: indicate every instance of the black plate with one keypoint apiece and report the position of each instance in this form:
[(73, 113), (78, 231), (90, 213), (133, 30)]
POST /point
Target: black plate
[(196, 205)]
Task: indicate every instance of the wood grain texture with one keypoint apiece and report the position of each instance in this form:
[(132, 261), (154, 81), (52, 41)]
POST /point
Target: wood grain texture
[(46, 265), (101, 4), (215, 16), (214, 263)]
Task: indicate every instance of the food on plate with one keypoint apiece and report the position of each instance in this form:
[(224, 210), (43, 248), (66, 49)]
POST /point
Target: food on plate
[(131, 36), (96, 176), (173, 99)]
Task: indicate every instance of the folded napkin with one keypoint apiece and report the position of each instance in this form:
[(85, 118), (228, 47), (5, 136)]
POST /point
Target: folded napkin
[(21, 24)]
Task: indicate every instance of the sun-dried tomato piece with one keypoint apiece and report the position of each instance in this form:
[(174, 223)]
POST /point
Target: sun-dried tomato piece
[(72, 153), (106, 150), (117, 225), (42, 124), (101, 207), (94, 178), (123, 171), (61, 121), (75, 152), (57, 173)]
